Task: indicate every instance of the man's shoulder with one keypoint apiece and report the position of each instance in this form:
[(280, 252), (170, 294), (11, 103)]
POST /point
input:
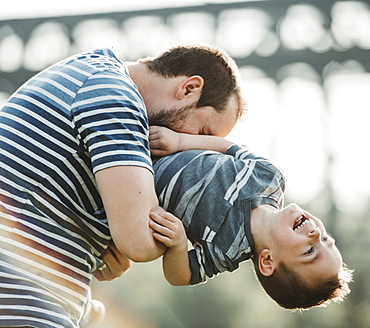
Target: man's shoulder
[(92, 62)]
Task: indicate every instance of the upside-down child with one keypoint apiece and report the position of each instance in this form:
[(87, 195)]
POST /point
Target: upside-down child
[(230, 203)]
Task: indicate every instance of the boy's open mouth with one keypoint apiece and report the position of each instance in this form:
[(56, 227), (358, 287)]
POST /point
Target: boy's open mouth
[(300, 222)]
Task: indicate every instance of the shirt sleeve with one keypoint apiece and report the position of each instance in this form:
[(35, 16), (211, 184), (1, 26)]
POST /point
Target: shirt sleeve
[(111, 121), (208, 260), (196, 266), (267, 175), (203, 265)]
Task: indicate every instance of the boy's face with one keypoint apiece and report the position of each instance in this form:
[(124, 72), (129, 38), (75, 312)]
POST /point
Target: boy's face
[(300, 240)]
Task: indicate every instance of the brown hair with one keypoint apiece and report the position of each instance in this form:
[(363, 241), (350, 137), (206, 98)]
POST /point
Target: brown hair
[(218, 70), (290, 291)]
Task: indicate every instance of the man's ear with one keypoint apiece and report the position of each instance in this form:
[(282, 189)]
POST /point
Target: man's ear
[(266, 264), (193, 85)]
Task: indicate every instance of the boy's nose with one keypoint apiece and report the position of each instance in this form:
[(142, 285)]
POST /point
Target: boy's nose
[(314, 232)]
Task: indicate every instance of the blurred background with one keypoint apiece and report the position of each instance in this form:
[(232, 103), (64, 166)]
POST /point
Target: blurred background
[(305, 70)]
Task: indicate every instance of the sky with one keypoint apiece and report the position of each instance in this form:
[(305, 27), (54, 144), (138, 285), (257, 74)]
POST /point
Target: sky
[(41, 8)]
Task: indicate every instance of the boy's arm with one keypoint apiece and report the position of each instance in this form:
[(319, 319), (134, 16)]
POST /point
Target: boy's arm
[(164, 141), (170, 231)]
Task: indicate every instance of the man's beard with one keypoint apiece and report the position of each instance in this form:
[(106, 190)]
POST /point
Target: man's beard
[(172, 118)]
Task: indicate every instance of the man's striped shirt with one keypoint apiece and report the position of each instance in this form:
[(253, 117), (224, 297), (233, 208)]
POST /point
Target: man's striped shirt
[(213, 194), (75, 118)]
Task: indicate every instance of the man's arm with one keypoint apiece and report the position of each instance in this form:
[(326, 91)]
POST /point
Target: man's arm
[(128, 197)]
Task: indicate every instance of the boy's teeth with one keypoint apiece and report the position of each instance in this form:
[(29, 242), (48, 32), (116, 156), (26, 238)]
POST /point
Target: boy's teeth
[(302, 224)]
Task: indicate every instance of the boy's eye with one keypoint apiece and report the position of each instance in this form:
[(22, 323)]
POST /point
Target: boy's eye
[(309, 251)]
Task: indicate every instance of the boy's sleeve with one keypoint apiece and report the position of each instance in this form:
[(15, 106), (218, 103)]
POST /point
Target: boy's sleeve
[(236, 151), (269, 177), (207, 263), (200, 265), (195, 267), (241, 153)]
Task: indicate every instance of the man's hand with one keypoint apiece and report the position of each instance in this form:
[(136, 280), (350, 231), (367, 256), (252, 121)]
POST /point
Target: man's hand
[(114, 264)]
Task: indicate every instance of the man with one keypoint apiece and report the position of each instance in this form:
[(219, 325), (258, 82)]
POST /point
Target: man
[(76, 172)]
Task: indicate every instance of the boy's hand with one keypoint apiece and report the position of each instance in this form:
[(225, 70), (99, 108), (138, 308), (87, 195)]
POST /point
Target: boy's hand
[(163, 141), (169, 230)]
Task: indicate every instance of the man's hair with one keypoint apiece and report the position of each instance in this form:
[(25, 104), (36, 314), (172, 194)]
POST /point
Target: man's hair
[(218, 70), (290, 291)]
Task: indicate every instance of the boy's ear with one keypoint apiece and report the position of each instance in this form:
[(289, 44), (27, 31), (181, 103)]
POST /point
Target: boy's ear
[(266, 264), (193, 85)]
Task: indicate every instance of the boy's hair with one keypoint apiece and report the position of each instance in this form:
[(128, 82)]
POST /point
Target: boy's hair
[(287, 288), (218, 70)]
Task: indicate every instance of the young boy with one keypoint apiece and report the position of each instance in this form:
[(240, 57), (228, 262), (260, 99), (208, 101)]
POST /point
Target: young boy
[(230, 202)]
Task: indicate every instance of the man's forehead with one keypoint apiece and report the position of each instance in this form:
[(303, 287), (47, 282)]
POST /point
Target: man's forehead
[(236, 106), (224, 121)]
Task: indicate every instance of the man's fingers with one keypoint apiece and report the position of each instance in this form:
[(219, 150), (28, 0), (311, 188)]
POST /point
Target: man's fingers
[(104, 274), (118, 255)]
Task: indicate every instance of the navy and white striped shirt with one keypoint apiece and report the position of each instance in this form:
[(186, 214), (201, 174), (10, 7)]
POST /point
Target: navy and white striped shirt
[(73, 119), (213, 194)]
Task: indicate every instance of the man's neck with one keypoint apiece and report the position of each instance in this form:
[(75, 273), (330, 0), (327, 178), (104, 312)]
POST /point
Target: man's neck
[(138, 72), (147, 83)]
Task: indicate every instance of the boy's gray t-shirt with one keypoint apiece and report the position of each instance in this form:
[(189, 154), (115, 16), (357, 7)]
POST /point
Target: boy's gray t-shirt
[(213, 194)]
